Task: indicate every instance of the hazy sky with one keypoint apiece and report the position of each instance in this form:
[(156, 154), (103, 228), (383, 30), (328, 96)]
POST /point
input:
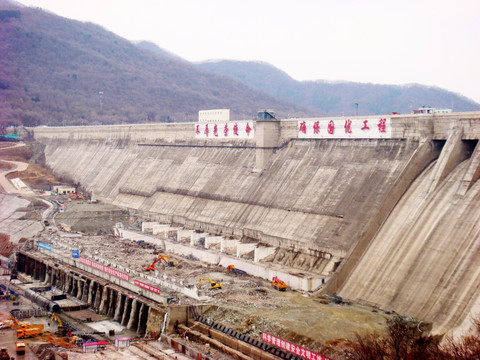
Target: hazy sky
[(431, 42)]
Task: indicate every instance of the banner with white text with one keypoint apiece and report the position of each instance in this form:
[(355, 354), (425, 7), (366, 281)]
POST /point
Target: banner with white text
[(366, 128)]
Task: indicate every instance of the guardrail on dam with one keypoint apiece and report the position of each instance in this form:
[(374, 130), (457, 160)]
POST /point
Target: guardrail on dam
[(296, 185)]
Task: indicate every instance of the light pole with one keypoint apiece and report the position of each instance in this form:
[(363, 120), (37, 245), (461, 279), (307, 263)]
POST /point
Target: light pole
[(356, 104)]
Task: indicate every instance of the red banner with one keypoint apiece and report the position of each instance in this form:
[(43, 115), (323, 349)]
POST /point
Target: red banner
[(147, 287), (294, 349), (104, 269)]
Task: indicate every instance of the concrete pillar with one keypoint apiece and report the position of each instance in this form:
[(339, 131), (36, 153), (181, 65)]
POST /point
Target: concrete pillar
[(126, 311), (111, 303), (58, 281), (47, 276), (98, 297), (74, 286), (86, 286), (71, 284), (133, 321), (65, 282), (91, 293), (119, 308), (104, 302), (53, 276), (142, 319), (267, 136), (78, 294)]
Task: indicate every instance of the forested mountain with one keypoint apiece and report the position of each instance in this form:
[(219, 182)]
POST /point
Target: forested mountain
[(58, 71), (337, 98)]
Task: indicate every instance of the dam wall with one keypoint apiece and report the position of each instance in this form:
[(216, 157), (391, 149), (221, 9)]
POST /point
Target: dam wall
[(311, 196), (399, 212)]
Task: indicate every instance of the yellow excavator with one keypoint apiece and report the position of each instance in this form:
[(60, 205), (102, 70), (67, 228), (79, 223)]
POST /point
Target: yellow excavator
[(61, 330), (213, 284), (160, 257)]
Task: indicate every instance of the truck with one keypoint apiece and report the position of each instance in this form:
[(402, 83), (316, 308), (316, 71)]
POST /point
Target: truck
[(20, 347), (29, 330)]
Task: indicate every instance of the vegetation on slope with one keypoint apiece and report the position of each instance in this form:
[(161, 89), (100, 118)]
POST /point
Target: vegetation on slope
[(57, 71)]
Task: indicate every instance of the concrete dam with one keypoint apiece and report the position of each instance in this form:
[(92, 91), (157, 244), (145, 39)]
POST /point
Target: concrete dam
[(389, 217)]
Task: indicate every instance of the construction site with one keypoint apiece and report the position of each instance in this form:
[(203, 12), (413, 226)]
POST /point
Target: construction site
[(148, 242), (85, 279)]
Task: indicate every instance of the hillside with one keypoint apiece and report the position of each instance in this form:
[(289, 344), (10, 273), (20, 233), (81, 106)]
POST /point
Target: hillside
[(336, 98), (58, 71)]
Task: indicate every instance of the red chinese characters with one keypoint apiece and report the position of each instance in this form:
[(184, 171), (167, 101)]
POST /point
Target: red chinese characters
[(206, 129), (225, 130), (215, 130), (297, 350), (303, 127), (197, 129), (316, 127), (104, 268), (365, 126), (235, 129), (331, 127), (348, 126), (147, 287), (381, 125), (248, 129)]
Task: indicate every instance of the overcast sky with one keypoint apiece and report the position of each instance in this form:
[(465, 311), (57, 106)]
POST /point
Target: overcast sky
[(431, 42)]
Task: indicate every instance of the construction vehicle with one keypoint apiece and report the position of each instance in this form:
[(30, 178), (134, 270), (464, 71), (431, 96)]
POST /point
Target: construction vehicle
[(233, 269), (4, 355), (20, 347), (160, 257), (28, 330), (55, 317), (61, 330), (279, 284), (213, 284)]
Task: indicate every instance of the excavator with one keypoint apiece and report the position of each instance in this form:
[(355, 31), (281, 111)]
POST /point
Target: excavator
[(213, 284), (160, 257), (279, 284), (61, 330)]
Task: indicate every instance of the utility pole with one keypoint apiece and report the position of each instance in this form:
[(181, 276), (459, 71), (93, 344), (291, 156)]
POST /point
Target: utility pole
[(356, 113)]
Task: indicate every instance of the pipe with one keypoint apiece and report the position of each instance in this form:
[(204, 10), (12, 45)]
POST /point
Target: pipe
[(42, 301)]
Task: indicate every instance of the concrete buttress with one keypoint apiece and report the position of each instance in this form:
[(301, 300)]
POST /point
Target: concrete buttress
[(104, 301), (111, 303), (126, 311), (78, 295), (85, 291), (98, 297), (133, 321), (119, 307), (47, 276)]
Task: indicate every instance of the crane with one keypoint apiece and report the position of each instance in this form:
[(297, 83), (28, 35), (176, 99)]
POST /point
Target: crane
[(160, 257), (213, 284)]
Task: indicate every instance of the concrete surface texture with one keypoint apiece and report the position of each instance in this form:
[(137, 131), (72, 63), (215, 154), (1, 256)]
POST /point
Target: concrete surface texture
[(314, 196), (424, 260)]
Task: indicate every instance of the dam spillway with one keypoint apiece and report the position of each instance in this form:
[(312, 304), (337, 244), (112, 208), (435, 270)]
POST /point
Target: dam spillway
[(320, 197)]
